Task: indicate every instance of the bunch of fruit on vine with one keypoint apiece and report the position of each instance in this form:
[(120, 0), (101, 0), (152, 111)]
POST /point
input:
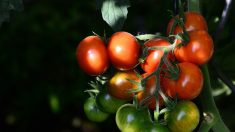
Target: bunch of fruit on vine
[(149, 81)]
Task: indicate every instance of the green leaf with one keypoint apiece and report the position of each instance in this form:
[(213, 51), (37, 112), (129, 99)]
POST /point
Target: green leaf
[(114, 12), (6, 6)]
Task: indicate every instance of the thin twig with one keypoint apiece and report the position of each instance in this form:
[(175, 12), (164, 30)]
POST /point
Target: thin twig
[(223, 19), (214, 65)]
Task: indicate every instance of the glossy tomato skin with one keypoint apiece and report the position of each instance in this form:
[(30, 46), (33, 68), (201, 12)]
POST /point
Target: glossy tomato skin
[(198, 50), (130, 119), (119, 86), (188, 85), (108, 103), (92, 112), (149, 91), (123, 51), (153, 58), (92, 55), (184, 117), (193, 21)]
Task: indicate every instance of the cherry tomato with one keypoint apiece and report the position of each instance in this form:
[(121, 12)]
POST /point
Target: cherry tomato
[(188, 85), (193, 21), (184, 117), (92, 55), (119, 86), (92, 112), (123, 51), (149, 91), (198, 50), (153, 127), (154, 56), (108, 103), (130, 119)]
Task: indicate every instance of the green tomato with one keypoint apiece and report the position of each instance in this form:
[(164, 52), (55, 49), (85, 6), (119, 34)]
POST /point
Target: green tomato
[(92, 112), (153, 127), (130, 119), (108, 103), (184, 117)]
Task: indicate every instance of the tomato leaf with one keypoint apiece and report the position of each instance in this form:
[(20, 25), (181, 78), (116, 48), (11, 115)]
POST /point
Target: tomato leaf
[(114, 12), (6, 6)]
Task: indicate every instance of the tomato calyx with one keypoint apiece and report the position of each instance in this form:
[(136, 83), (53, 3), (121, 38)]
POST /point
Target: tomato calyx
[(172, 71)]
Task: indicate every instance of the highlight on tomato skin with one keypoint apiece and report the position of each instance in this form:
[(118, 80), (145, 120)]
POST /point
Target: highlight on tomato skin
[(153, 58), (188, 85), (193, 21), (123, 50), (119, 86), (92, 56), (198, 50)]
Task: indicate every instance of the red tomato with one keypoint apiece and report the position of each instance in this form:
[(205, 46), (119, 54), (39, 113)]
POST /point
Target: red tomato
[(123, 50), (193, 21), (198, 50), (92, 55), (150, 89), (188, 85), (119, 86), (154, 56)]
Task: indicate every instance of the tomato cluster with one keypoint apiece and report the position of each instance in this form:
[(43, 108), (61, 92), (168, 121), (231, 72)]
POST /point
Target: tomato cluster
[(152, 74)]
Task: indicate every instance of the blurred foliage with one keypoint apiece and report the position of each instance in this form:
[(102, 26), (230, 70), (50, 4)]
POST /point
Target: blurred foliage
[(41, 85)]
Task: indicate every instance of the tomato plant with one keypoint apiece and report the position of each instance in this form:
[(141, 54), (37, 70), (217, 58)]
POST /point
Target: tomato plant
[(92, 55), (92, 112), (108, 103), (119, 86), (193, 21), (123, 50), (198, 50), (154, 56), (170, 67), (188, 85), (184, 117)]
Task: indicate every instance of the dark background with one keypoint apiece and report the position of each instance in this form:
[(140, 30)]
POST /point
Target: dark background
[(41, 85)]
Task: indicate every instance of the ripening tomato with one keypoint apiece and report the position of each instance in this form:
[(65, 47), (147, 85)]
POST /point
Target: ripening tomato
[(119, 86), (149, 92), (193, 21), (153, 58), (123, 51), (92, 112), (92, 55), (198, 50), (188, 85), (184, 117)]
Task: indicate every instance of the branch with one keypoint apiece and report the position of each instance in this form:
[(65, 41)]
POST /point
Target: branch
[(214, 65)]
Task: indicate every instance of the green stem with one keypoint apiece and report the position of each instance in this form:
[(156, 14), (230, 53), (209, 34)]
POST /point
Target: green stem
[(193, 5), (210, 112)]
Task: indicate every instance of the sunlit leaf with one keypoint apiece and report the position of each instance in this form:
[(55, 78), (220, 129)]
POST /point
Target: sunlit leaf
[(114, 12)]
